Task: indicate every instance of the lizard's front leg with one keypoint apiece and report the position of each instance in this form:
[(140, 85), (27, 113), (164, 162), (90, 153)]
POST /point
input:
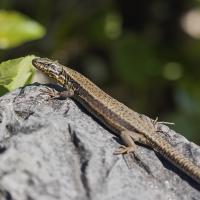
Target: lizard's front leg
[(129, 138), (53, 94)]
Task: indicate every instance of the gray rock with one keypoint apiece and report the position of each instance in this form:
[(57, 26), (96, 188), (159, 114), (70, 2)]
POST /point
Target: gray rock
[(53, 149)]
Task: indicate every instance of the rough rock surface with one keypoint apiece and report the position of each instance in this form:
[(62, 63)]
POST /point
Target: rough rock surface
[(53, 149)]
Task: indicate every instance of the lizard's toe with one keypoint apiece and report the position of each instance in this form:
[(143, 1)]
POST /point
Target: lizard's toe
[(123, 150)]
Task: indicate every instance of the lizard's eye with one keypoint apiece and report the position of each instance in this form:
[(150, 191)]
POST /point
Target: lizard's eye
[(47, 65)]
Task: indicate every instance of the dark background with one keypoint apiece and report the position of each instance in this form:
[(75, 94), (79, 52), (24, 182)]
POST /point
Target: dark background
[(144, 53)]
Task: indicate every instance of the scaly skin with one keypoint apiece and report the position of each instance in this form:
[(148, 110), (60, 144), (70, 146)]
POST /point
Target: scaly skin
[(126, 123)]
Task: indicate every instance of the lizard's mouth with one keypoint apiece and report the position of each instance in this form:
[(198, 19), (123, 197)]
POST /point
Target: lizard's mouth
[(36, 63)]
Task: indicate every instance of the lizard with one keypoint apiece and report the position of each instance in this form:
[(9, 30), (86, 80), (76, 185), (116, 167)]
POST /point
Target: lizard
[(126, 123)]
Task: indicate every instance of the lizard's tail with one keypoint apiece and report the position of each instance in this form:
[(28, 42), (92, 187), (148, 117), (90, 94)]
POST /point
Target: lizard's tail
[(178, 159)]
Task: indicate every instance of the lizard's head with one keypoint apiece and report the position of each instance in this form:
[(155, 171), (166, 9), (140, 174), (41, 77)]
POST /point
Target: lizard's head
[(52, 68)]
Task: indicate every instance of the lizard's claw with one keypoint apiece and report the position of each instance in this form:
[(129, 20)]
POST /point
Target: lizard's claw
[(124, 150)]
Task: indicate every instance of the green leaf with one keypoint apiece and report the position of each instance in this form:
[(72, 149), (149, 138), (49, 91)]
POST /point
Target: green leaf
[(16, 29), (15, 73)]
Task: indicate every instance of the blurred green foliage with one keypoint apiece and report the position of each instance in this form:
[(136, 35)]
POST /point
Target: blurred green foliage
[(144, 53), (129, 47), (17, 29)]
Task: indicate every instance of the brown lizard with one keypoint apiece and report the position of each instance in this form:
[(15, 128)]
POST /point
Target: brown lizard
[(129, 125)]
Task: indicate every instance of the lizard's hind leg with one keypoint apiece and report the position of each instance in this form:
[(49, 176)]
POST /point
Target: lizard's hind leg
[(129, 138)]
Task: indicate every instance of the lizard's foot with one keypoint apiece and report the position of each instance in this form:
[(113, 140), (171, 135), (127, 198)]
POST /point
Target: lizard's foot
[(53, 94), (124, 150), (155, 122), (50, 92)]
